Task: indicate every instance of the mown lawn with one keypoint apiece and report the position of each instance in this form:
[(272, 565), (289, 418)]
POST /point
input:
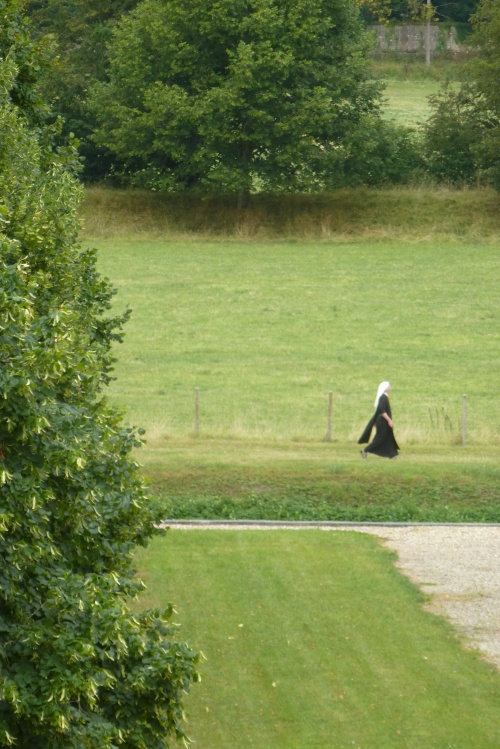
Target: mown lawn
[(313, 639)]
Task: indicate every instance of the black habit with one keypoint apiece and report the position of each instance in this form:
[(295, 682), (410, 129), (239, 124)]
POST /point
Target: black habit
[(384, 443)]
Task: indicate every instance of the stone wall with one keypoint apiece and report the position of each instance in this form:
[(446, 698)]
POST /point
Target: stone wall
[(410, 39)]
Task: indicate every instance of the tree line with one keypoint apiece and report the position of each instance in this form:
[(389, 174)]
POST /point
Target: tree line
[(241, 95)]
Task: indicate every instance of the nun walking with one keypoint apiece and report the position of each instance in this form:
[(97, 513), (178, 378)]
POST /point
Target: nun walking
[(384, 443)]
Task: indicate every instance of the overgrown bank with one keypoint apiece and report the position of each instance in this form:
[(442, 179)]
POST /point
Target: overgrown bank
[(330, 493), (403, 213)]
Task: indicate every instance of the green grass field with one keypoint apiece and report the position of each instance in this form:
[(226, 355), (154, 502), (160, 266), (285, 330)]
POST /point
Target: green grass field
[(408, 86), (267, 328), (407, 102), (313, 640), (265, 331)]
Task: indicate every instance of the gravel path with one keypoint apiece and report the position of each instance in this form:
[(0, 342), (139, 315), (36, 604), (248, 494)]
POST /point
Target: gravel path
[(458, 566)]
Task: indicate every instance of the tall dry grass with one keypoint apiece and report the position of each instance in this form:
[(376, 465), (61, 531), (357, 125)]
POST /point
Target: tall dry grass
[(406, 214)]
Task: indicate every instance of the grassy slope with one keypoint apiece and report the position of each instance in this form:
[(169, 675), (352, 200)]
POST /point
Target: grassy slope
[(313, 640), (401, 214), (238, 479)]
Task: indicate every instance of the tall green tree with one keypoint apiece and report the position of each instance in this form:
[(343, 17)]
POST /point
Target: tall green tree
[(77, 669), (408, 11), (484, 72), (80, 31), (463, 132), (226, 94)]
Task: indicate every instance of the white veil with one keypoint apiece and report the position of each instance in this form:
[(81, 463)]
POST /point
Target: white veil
[(381, 390)]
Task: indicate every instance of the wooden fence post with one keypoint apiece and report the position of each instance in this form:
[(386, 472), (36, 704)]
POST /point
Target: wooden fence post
[(197, 411), (464, 419), (330, 412)]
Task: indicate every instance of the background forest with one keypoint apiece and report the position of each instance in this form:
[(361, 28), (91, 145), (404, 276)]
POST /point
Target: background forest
[(132, 81)]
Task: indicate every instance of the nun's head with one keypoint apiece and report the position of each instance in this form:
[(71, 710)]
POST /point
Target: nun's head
[(384, 387)]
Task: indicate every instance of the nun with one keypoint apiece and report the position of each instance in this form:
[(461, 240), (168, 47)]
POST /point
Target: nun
[(384, 443)]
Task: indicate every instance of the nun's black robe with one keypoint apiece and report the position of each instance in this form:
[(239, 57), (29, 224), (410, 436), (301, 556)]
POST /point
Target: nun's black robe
[(384, 443)]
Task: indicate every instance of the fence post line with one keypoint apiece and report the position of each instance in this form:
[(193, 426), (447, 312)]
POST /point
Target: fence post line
[(197, 411), (464, 419), (330, 412)]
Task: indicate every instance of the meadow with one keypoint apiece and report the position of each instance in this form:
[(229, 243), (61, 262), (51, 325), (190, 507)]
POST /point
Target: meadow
[(409, 84), (266, 330), (267, 324), (408, 104)]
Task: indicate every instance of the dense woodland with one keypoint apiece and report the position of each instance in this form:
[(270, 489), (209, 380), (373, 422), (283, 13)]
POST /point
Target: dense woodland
[(169, 95)]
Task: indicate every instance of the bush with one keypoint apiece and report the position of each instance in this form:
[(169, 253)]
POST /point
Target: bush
[(452, 133), (378, 153)]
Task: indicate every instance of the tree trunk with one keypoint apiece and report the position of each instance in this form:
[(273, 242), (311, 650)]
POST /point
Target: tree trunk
[(246, 178), (243, 198)]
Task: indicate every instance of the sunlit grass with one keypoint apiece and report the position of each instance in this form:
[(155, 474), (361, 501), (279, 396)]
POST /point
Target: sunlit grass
[(407, 102), (312, 639), (403, 288), (266, 331), (408, 85)]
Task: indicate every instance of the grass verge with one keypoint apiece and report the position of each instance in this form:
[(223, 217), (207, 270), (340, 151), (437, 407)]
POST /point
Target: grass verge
[(312, 639), (238, 480)]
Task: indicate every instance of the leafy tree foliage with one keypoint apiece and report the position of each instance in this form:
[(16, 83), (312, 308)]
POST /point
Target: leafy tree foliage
[(81, 30), (463, 133), (375, 11), (452, 133), (411, 11), (378, 153), (459, 11), (407, 11), (485, 74), (226, 93), (30, 58), (77, 669)]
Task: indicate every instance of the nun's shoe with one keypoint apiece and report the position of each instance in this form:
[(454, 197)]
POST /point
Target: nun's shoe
[(363, 454)]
